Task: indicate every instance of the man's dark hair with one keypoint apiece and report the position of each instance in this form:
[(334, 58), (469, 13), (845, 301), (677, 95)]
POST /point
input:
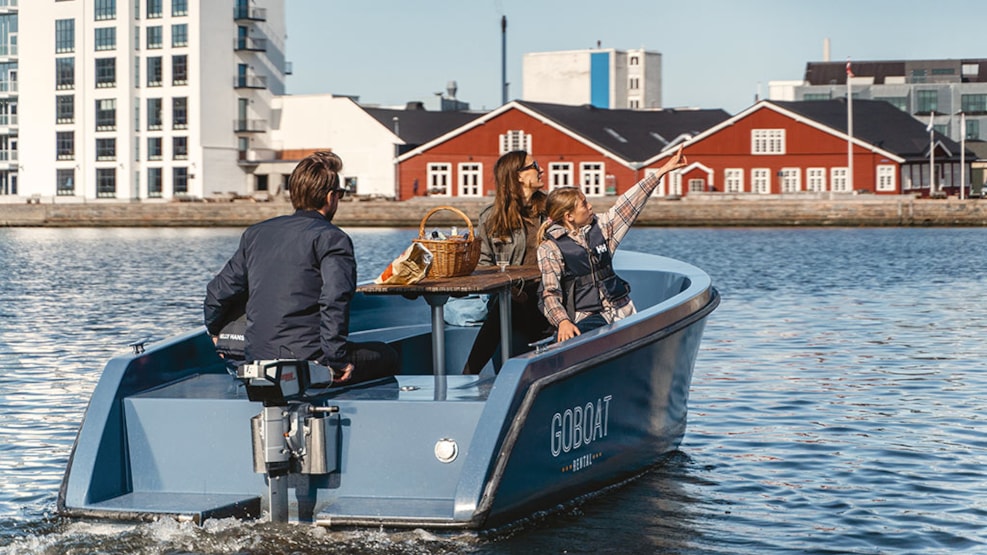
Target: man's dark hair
[(313, 178)]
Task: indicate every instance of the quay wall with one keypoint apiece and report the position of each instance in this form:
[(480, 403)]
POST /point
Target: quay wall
[(696, 210)]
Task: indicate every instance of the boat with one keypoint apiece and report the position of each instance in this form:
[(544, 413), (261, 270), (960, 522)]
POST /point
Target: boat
[(172, 431)]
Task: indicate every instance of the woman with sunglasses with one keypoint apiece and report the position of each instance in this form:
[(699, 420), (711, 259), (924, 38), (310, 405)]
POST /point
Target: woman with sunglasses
[(511, 224)]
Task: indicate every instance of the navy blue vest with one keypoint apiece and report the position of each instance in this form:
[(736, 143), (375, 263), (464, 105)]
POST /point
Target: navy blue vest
[(585, 270)]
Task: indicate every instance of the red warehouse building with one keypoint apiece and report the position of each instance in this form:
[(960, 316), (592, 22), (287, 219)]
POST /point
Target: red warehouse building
[(596, 149), (796, 147)]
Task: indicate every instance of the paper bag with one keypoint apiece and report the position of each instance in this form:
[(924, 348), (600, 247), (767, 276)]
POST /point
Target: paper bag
[(408, 268)]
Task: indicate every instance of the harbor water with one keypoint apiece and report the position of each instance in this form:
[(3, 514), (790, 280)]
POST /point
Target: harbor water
[(838, 405)]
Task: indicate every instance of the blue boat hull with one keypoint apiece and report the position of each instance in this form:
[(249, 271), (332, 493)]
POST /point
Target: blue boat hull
[(168, 432)]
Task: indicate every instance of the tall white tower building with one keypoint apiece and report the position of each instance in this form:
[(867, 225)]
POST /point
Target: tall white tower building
[(8, 98), (604, 77), (142, 99)]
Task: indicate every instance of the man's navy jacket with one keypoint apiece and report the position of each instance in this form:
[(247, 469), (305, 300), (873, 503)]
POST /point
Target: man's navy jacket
[(297, 275)]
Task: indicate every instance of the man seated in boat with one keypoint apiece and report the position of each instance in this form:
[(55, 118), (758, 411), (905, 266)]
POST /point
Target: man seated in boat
[(295, 276), (579, 289)]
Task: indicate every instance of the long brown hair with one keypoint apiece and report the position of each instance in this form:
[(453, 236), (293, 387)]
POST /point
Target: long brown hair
[(559, 202), (313, 178), (509, 209)]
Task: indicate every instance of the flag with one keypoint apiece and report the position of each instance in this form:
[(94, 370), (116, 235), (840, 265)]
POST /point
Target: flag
[(849, 72), (932, 116)]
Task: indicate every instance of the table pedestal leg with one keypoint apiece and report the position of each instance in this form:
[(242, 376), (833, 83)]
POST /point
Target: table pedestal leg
[(437, 302), (505, 324)]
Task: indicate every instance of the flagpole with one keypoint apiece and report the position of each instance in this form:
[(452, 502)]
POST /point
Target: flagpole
[(962, 155), (932, 156), (849, 127)]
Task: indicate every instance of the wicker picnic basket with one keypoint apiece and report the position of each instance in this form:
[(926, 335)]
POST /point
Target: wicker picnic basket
[(454, 256)]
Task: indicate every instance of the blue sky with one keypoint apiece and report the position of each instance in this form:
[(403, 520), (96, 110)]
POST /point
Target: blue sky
[(715, 53)]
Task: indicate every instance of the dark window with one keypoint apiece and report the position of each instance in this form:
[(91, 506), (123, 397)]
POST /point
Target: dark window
[(154, 71), (106, 38), (106, 182), (106, 72), (154, 113), (154, 148), (64, 182), (64, 35), (106, 9), (179, 148), (64, 73), (106, 114), (179, 7), (154, 182), (179, 34), (179, 113), (179, 180), (153, 9), (926, 102), (106, 149), (154, 37), (65, 145), (179, 69), (64, 108), (974, 103)]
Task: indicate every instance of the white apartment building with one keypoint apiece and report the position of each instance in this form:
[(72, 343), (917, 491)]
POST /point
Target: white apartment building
[(140, 99), (602, 77), (8, 98)]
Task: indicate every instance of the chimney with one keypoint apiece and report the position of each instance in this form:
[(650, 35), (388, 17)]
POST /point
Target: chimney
[(825, 49)]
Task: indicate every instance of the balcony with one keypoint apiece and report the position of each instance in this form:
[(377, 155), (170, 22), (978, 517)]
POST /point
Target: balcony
[(8, 87), (8, 50), (248, 44), (246, 13), (249, 125), (250, 82), (6, 120)]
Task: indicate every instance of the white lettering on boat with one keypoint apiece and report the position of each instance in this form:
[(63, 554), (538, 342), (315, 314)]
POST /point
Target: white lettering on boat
[(580, 425)]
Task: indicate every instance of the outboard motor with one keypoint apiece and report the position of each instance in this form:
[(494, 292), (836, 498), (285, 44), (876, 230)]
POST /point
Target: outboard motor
[(290, 435)]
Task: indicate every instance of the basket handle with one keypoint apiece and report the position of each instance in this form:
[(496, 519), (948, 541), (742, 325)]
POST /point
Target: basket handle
[(469, 224)]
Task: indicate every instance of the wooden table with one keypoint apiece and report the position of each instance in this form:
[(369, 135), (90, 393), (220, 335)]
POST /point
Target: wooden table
[(485, 279)]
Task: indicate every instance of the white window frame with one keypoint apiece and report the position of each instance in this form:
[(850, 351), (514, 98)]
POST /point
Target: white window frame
[(733, 180), (886, 181), (815, 180), (591, 178), (438, 178), (515, 139), (559, 175), (791, 180), (761, 181), (470, 179), (838, 180), (697, 185), (769, 142)]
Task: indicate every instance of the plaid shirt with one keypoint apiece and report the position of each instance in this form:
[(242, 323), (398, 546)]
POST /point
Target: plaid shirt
[(614, 224)]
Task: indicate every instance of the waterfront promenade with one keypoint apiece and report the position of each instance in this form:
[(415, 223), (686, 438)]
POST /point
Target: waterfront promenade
[(695, 210)]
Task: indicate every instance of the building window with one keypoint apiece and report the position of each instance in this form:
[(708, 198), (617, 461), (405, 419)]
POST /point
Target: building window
[(65, 145), (634, 103), (179, 69), (154, 71), (791, 180), (591, 178), (154, 148), (733, 180), (179, 7), (767, 141), (815, 179), (106, 72), (470, 180), (974, 103), (515, 140), (179, 113), (154, 113), (838, 180), (106, 38), (153, 37), (885, 178), (153, 182), (179, 148), (179, 34), (816, 96), (697, 185), (761, 181), (438, 179), (64, 73), (64, 35), (899, 102), (106, 9), (559, 175), (973, 130), (926, 102), (153, 9), (106, 182), (179, 180), (106, 114), (634, 83), (635, 61), (65, 108), (64, 183), (106, 149)]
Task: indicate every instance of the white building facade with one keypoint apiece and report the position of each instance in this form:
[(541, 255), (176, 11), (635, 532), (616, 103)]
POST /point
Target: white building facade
[(144, 99), (605, 78)]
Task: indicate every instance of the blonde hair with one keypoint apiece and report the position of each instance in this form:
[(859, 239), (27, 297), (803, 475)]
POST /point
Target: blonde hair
[(559, 202)]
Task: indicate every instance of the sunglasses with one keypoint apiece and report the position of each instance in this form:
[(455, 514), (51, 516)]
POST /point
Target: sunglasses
[(532, 166), (339, 191)]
